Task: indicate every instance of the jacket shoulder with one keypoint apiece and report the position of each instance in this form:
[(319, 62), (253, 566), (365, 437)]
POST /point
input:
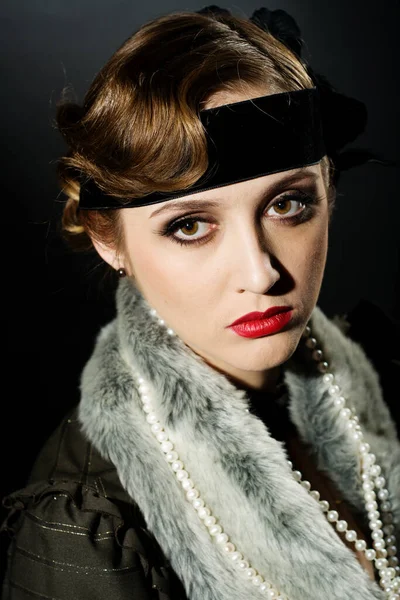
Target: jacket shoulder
[(73, 530)]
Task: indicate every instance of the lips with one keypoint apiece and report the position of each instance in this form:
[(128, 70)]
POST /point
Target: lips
[(258, 324), (259, 316)]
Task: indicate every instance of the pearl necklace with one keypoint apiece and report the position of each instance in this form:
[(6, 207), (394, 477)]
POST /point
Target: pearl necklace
[(380, 518)]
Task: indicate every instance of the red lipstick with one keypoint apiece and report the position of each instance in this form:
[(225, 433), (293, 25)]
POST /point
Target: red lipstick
[(258, 324)]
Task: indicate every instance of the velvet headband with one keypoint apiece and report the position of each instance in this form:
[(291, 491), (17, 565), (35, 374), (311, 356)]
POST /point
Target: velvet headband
[(245, 140)]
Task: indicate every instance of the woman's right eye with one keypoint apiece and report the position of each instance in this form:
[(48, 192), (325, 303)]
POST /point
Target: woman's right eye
[(189, 230)]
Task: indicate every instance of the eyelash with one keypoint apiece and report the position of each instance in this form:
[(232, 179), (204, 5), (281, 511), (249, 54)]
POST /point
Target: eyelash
[(300, 217)]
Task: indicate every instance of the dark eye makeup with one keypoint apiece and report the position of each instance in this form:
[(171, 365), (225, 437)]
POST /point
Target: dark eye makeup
[(309, 202)]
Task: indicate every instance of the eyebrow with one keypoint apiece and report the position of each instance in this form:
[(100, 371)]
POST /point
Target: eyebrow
[(203, 204)]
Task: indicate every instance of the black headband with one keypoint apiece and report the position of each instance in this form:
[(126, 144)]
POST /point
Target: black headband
[(245, 140)]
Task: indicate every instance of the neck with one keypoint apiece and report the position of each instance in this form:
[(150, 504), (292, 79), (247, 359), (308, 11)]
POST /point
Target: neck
[(265, 381)]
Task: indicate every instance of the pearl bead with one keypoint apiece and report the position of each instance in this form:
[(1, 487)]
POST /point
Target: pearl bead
[(250, 573), (317, 355), (156, 427), (161, 321), (171, 456), (323, 366), (385, 506), (341, 526), (181, 475), (203, 512), (311, 342), (187, 484), (306, 485), (307, 331), (373, 514), (324, 504), (210, 520), (257, 580), (390, 573), (380, 482), (377, 534), (370, 554), (297, 475), (381, 563), (360, 545), (192, 494), (393, 561), (375, 471), (228, 548), (315, 494), (177, 465), (345, 413), (388, 529), (378, 544), (339, 402), (365, 448), (215, 530), (327, 378), (367, 486), (221, 539), (236, 556), (392, 550), (170, 331), (198, 503), (369, 459), (351, 535), (334, 390), (332, 516), (151, 418), (387, 518), (162, 436)]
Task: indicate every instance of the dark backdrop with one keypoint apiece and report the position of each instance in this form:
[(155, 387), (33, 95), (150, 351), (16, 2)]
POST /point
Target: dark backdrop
[(55, 301)]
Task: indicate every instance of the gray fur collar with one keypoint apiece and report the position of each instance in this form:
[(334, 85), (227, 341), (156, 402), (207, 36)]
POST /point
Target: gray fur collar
[(240, 470)]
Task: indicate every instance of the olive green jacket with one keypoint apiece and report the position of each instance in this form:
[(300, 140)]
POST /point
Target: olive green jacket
[(76, 534)]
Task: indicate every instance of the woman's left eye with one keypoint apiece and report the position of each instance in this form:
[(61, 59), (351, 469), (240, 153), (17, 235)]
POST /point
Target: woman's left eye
[(283, 207)]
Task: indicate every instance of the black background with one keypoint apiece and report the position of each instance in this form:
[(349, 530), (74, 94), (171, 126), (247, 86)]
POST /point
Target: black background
[(55, 301)]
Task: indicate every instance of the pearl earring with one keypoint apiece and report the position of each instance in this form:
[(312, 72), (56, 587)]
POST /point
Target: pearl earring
[(121, 272)]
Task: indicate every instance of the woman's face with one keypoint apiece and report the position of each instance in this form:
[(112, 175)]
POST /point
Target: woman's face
[(205, 260)]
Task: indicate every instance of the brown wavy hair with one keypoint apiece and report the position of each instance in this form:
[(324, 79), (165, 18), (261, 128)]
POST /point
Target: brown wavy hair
[(139, 131)]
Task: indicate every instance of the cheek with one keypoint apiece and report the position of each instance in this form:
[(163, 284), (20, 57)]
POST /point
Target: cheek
[(312, 259), (167, 276)]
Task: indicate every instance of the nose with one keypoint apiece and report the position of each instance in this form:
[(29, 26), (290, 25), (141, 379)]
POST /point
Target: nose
[(254, 270)]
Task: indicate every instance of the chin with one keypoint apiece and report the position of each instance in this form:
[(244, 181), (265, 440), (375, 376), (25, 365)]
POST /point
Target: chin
[(266, 352)]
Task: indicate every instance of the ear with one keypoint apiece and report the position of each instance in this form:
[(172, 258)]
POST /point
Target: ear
[(108, 254)]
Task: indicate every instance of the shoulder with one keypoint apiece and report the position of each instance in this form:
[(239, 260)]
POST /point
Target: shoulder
[(74, 528)]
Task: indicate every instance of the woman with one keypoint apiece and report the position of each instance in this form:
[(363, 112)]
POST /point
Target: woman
[(231, 442)]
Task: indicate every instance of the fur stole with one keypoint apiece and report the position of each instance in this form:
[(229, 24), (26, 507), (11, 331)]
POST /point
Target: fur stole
[(240, 470)]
